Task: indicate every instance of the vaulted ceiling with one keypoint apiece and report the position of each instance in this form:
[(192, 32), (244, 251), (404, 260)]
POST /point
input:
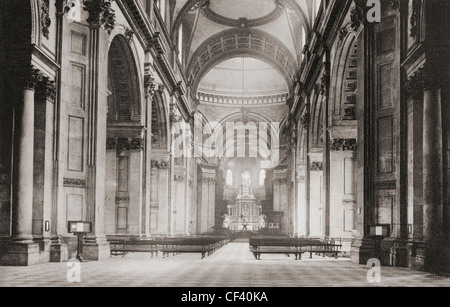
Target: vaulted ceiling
[(242, 53)]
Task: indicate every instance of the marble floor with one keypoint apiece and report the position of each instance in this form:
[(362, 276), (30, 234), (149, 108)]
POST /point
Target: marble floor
[(231, 266)]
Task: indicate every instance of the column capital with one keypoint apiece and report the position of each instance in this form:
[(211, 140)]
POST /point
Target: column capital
[(47, 90), (100, 13), (32, 77)]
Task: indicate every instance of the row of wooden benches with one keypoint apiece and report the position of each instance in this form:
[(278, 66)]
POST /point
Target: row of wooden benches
[(204, 246), (294, 246)]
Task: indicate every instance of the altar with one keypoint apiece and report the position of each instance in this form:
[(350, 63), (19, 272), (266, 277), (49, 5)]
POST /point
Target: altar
[(245, 214)]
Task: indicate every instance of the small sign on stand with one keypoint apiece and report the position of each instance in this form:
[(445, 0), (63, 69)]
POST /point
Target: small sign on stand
[(79, 228)]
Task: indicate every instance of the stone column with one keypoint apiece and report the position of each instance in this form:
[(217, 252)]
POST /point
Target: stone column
[(95, 245), (432, 177), (149, 89), (21, 250), (206, 200), (43, 165), (302, 229), (280, 199)]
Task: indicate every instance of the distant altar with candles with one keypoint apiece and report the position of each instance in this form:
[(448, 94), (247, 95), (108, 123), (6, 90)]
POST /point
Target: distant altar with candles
[(245, 214)]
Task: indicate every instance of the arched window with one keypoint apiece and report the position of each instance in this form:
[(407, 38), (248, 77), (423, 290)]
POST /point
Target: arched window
[(180, 43), (262, 177), (229, 177)]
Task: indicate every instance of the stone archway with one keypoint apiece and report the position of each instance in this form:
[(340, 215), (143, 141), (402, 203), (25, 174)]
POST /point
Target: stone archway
[(125, 143)]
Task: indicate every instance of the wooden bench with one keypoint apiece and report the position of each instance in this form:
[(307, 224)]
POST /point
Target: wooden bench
[(204, 246), (291, 246), (124, 246)]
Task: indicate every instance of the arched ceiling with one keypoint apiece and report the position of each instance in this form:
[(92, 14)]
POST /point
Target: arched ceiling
[(219, 31)]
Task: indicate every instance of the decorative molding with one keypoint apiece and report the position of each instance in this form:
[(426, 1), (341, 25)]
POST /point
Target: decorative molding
[(33, 77), (122, 199), (129, 34), (47, 90), (125, 143), (323, 85), (160, 164), (415, 84), (208, 180), (234, 42), (64, 6), (357, 15), (301, 177), (304, 120), (316, 166), (179, 178), (178, 161), (349, 202), (45, 18), (343, 145), (280, 181), (386, 185), (100, 13), (200, 5), (204, 97), (74, 183), (242, 23), (149, 86)]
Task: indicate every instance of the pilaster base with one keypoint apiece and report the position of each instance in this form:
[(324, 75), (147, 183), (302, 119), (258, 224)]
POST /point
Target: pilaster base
[(20, 254), (96, 249), (59, 252)]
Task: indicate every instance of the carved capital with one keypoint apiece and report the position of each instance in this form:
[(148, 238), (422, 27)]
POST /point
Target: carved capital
[(208, 180), (416, 84), (160, 164), (316, 166), (125, 144), (100, 13), (279, 181), (32, 77), (179, 178), (47, 90), (343, 145)]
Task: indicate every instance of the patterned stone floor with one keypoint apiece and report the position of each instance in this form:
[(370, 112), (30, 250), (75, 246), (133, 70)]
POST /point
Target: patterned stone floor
[(232, 266)]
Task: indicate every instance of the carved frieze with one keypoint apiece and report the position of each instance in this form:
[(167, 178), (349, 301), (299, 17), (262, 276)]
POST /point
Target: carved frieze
[(45, 18), (74, 183)]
